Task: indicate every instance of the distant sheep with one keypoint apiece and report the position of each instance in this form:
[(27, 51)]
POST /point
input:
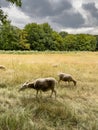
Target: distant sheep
[(55, 65), (41, 84), (2, 67), (66, 78)]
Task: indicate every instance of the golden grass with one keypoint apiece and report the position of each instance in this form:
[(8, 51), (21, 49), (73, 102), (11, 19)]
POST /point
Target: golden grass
[(75, 107)]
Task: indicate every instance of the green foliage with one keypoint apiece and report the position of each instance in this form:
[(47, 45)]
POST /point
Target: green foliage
[(12, 38), (9, 37), (70, 42), (3, 17), (23, 42), (86, 42), (42, 37), (34, 36), (57, 41), (47, 36), (81, 42), (96, 36), (63, 34)]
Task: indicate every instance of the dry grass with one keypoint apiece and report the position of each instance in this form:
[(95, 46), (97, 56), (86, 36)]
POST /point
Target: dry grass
[(76, 108)]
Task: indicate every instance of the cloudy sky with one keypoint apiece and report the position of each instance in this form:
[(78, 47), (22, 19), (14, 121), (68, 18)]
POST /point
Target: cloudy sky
[(73, 16)]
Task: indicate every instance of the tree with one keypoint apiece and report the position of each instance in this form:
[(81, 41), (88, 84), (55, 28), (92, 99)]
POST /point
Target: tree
[(82, 42), (70, 42), (23, 42), (35, 36), (9, 37), (57, 41), (47, 36), (3, 17), (39, 36), (96, 36), (63, 34), (86, 42)]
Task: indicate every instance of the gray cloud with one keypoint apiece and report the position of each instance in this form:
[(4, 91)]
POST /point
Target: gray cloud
[(43, 8), (91, 8), (91, 13), (60, 14), (67, 19)]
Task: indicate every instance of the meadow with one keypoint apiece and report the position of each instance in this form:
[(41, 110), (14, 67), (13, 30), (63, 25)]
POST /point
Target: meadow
[(75, 108)]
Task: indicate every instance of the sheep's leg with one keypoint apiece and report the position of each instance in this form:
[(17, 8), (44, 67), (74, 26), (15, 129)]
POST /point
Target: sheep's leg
[(59, 80), (69, 83), (54, 93), (51, 93), (37, 93), (40, 93)]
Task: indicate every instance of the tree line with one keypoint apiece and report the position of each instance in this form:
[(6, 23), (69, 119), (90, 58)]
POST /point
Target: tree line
[(42, 37)]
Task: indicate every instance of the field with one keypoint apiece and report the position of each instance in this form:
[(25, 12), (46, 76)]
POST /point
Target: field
[(75, 108)]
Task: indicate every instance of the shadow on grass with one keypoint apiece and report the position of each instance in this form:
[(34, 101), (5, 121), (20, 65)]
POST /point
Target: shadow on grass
[(26, 100), (68, 86)]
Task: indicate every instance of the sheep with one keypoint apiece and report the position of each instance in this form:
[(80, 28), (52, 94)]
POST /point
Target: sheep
[(41, 84), (55, 65), (66, 78), (2, 67)]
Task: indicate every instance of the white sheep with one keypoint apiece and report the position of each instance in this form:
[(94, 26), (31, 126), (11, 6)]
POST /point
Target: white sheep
[(41, 84), (66, 78)]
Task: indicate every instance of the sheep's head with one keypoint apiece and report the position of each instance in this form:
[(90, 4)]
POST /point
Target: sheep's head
[(24, 86)]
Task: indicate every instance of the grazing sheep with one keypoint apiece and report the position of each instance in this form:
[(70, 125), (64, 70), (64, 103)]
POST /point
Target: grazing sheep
[(66, 78), (2, 67), (41, 84)]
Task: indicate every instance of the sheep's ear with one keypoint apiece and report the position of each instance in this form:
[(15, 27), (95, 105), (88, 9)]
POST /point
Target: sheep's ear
[(25, 83)]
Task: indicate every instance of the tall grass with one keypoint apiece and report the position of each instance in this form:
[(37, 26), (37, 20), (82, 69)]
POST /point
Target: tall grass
[(76, 108)]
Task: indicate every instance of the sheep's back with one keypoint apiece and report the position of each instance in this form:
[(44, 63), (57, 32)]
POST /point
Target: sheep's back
[(44, 84), (65, 77)]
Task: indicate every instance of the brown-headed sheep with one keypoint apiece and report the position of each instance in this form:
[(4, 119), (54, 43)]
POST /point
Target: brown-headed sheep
[(67, 78), (41, 84)]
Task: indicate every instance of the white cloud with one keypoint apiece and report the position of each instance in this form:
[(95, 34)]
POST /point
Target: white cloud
[(17, 17), (84, 30)]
